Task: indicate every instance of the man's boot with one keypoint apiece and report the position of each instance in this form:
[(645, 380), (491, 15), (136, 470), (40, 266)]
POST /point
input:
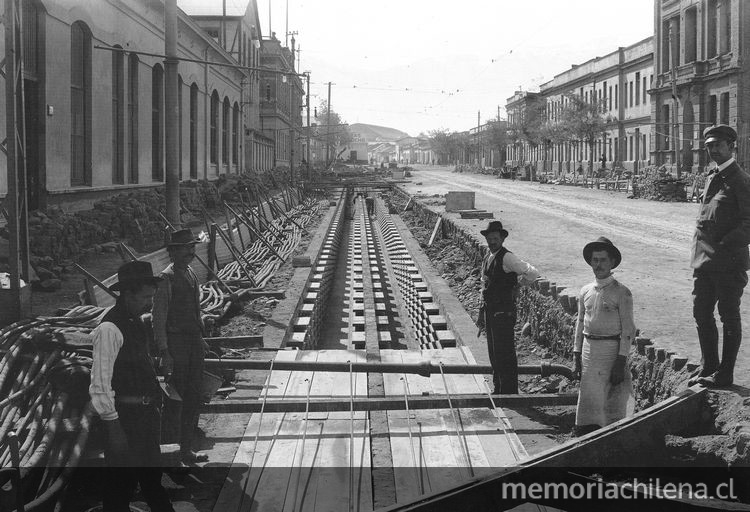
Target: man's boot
[(724, 376), (708, 338)]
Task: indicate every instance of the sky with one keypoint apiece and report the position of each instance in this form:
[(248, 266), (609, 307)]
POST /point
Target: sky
[(420, 65)]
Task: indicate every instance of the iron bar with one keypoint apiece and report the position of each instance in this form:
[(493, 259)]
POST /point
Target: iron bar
[(390, 403), (424, 369), (411, 440), (459, 427)]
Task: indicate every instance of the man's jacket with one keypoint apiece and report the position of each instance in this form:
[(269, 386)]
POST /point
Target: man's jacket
[(722, 231)]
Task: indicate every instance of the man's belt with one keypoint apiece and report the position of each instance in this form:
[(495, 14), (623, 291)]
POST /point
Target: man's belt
[(137, 400), (598, 337)]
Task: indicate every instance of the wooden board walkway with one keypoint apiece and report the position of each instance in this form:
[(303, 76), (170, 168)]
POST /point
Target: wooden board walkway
[(321, 461)]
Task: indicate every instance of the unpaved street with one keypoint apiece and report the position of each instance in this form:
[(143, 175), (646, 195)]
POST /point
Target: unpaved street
[(550, 224)]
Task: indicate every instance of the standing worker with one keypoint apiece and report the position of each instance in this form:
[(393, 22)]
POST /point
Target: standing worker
[(720, 258), (501, 273), (604, 333), (178, 330), (125, 393), (370, 203)]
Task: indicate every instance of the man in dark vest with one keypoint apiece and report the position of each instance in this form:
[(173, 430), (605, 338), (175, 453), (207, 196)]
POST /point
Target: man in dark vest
[(178, 330), (126, 395), (720, 258), (501, 272)]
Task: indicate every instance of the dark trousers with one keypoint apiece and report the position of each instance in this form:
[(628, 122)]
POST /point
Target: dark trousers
[(187, 379), (501, 345), (724, 288), (141, 465)]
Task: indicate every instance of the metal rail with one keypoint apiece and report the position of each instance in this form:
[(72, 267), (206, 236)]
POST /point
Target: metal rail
[(389, 403), (424, 369)]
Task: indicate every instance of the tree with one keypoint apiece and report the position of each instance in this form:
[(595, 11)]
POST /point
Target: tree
[(332, 131), (497, 136), (442, 143), (526, 130), (583, 121)]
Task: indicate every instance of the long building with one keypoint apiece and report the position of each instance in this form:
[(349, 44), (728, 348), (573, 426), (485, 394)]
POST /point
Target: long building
[(619, 83), (95, 116)]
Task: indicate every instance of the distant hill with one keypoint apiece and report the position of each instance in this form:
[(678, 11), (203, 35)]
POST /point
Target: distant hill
[(374, 133)]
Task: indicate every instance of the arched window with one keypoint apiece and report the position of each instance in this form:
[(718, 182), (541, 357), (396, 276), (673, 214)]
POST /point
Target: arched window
[(80, 104), (194, 131), (118, 117), (157, 123), (225, 132), (133, 63), (214, 127), (236, 134)]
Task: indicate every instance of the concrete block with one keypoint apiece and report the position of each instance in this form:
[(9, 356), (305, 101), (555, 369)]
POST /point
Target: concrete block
[(642, 343), (301, 261), (462, 200), (661, 355), (679, 362)]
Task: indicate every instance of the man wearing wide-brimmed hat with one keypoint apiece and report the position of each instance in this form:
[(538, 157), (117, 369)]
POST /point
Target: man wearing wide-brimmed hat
[(501, 273), (604, 333), (125, 393), (178, 330), (720, 258)]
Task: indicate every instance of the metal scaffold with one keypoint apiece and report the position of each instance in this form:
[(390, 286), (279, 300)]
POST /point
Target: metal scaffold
[(15, 301)]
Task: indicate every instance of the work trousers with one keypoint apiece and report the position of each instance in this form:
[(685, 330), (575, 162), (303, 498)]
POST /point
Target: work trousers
[(140, 465), (501, 346), (187, 379), (724, 288)]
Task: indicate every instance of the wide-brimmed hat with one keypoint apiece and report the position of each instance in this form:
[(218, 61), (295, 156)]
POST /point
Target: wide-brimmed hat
[(494, 225), (182, 237), (602, 244), (135, 272), (719, 132)]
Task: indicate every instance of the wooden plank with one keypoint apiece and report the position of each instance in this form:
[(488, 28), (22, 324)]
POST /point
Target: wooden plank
[(438, 222)]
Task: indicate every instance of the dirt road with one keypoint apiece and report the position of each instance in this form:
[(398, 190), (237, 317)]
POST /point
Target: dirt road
[(550, 224)]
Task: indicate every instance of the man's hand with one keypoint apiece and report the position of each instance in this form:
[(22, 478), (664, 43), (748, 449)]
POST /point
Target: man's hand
[(167, 363), (117, 443), (480, 322), (577, 369), (618, 371)]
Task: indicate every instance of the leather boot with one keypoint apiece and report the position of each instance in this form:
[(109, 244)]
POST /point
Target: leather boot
[(708, 338), (724, 376)]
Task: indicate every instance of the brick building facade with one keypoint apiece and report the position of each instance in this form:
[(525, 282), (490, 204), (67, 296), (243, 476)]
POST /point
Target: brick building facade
[(95, 117), (705, 46)]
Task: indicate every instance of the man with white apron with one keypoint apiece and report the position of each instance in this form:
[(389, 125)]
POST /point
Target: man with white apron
[(604, 333)]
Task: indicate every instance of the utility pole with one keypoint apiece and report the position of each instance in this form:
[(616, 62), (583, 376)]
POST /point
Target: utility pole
[(479, 142), (675, 102), (309, 168), (286, 38), (328, 128), (15, 301), (224, 24), (172, 178)]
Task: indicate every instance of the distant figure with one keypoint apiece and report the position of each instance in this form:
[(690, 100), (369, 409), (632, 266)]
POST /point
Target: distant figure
[(370, 202), (720, 258), (604, 332)]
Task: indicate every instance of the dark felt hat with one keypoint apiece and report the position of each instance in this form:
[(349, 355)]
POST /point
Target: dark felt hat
[(494, 225), (182, 237), (719, 132), (602, 244), (135, 272)]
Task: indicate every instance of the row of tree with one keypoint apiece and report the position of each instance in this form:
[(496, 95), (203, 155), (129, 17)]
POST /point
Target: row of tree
[(578, 121)]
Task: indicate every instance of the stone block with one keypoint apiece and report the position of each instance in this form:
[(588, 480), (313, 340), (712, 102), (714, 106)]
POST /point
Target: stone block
[(679, 362), (301, 261), (455, 201)]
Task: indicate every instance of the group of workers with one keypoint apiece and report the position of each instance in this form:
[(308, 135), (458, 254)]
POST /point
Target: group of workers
[(605, 327), (125, 389), (126, 393)]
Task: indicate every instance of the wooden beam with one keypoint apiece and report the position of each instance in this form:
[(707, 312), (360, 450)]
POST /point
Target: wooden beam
[(390, 403), (94, 280)]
